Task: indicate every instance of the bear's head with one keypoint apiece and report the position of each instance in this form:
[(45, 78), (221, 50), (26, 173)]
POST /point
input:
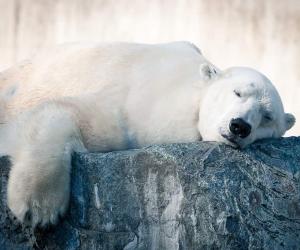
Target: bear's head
[(240, 106)]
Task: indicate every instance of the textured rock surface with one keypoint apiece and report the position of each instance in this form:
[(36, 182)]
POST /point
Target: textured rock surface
[(180, 196)]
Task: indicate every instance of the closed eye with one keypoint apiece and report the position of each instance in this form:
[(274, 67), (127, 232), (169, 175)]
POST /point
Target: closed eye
[(237, 93), (268, 118)]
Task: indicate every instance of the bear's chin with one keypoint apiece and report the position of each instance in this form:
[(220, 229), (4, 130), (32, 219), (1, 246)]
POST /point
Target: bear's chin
[(231, 141), (228, 138)]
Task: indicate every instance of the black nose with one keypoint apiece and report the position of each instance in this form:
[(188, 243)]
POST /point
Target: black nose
[(239, 127)]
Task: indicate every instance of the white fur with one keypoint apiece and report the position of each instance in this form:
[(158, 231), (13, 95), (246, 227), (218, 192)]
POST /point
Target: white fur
[(113, 97)]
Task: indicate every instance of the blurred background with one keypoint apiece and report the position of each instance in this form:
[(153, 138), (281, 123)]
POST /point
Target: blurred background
[(263, 34)]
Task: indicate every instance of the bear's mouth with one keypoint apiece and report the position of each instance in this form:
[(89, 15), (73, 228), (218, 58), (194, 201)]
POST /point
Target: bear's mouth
[(231, 139)]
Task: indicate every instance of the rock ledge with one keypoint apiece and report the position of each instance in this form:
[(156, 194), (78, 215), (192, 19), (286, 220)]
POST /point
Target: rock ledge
[(180, 196)]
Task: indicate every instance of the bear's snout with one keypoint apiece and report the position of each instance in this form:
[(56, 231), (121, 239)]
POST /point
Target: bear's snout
[(239, 127)]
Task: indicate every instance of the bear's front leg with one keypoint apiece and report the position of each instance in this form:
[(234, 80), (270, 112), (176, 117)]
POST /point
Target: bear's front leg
[(39, 181)]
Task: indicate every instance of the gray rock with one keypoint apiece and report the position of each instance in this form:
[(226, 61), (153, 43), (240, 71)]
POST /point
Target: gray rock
[(180, 196)]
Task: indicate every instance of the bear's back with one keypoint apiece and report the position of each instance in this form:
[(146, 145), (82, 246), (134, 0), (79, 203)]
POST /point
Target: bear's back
[(77, 69)]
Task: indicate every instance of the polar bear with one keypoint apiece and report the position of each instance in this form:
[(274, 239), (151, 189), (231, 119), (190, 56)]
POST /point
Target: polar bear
[(104, 97)]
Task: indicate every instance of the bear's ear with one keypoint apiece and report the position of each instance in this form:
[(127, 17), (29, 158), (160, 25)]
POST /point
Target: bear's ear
[(208, 71), (289, 120)]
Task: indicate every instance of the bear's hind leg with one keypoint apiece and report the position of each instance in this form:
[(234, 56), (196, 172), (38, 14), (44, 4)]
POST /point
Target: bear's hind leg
[(39, 181)]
